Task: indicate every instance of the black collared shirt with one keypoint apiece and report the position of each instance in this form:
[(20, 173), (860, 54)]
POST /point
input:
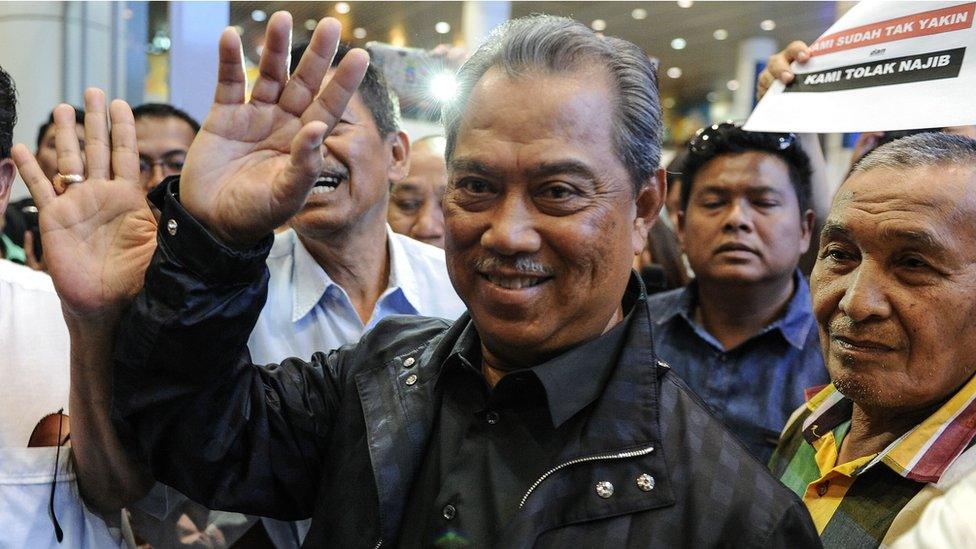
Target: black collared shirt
[(490, 445)]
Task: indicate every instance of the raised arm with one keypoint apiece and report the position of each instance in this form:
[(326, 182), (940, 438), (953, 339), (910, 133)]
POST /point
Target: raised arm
[(99, 235)]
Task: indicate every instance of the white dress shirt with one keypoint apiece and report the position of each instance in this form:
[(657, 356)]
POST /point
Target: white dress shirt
[(307, 312)]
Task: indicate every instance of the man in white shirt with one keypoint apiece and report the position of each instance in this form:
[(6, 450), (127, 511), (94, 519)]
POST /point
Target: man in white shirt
[(341, 269), (40, 505)]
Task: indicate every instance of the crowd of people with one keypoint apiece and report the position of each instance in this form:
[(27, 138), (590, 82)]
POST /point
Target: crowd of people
[(294, 324)]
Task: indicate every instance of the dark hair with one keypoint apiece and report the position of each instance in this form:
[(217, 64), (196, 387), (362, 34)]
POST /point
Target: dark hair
[(163, 110), (557, 45), (79, 119), (8, 113), (734, 140), (374, 91)]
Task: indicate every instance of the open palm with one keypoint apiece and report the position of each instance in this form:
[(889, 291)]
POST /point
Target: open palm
[(253, 163), (98, 235)]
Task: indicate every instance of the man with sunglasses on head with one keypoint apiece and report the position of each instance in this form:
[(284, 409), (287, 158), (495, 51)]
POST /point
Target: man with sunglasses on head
[(164, 134), (742, 334)]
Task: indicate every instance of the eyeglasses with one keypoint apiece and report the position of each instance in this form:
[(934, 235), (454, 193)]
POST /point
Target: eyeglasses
[(707, 139), (171, 163)]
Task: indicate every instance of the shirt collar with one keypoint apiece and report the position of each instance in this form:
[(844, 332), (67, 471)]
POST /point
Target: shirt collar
[(401, 273), (310, 282), (923, 453), (798, 319), (794, 324), (577, 377)]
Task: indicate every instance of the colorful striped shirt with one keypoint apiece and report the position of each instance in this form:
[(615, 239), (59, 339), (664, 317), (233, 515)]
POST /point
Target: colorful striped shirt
[(873, 499)]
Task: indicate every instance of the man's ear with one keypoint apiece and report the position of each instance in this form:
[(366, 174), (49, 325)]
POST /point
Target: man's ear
[(400, 149), (649, 200), (7, 172), (806, 230)]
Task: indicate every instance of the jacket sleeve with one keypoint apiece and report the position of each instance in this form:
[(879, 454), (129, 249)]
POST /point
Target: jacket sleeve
[(186, 398), (795, 529)]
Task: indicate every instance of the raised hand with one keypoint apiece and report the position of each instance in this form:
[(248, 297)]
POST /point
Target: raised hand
[(778, 66), (253, 164), (99, 234)]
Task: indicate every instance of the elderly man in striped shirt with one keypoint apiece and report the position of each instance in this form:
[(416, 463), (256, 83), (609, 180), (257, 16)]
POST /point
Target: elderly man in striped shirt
[(894, 293)]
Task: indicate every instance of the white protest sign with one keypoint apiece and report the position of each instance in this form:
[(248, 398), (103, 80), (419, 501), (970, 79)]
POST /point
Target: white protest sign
[(882, 66)]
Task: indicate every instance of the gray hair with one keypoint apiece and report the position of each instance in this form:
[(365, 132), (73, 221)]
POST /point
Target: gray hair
[(558, 44), (919, 150)]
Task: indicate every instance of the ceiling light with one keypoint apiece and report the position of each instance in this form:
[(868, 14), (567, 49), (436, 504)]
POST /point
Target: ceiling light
[(720, 34), (767, 25), (685, 3), (732, 85), (359, 33), (669, 102), (442, 27), (711, 97), (598, 25), (639, 13), (679, 43), (310, 24), (342, 7), (674, 72), (259, 15)]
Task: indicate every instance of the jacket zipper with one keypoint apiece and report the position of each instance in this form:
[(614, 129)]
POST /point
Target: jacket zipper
[(598, 457), (378, 544)]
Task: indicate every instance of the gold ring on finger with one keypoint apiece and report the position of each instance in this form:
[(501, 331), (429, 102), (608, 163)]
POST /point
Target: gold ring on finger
[(62, 181)]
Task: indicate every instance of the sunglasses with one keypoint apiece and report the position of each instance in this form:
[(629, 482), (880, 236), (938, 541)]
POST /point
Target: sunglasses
[(707, 139)]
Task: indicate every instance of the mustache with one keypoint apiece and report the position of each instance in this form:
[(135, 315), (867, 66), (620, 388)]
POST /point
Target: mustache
[(521, 264), (845, 326), (334, 168)]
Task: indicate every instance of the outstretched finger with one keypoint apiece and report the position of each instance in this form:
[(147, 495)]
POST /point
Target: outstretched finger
[(125, 152), (332, 100), (41, 189), (66, 141), (230, 72), (306, 81), (304, 164), (96, 135), (273, 66)]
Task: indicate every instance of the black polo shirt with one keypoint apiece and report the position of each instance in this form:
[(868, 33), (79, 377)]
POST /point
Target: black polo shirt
[(489, 446)]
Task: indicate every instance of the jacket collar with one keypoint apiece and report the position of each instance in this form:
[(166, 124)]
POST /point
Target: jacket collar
[(400, 412)]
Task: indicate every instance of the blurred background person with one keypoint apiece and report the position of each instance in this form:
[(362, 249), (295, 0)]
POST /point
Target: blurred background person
[(164, 134), (415, 202), (742, 335)]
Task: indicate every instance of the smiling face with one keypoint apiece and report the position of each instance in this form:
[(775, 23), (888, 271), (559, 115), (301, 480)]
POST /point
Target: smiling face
[(894, 286), (742, 223), (542, 219), (354, 185), (416, 208)]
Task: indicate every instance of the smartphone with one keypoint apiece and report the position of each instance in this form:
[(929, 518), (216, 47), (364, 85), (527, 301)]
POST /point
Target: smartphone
[(406, 69)]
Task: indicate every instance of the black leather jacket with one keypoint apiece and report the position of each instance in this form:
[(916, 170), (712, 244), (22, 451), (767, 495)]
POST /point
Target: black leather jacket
[(341, 438)]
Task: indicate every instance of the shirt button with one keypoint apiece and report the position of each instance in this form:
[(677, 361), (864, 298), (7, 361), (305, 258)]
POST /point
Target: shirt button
[(409, 362), (449, 511), (492, 417), (171, 227), (822, 489)]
